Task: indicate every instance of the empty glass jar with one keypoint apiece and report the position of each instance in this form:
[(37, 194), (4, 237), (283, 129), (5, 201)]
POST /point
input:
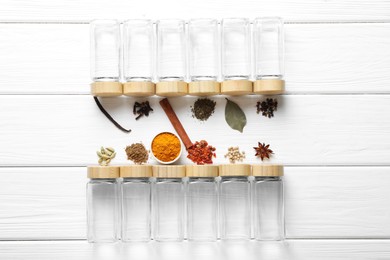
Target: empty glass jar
[(269, 55), (171, 58), (136, 193), (236, 56), (105, 58), (168, 203), (103, 204), (268, 202), (202, 202), (138, 53), (203, 57), (234, 201)]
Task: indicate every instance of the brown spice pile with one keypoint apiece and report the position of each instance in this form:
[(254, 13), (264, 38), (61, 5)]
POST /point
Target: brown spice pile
[(234, 155), (137, 153), (201, 153)]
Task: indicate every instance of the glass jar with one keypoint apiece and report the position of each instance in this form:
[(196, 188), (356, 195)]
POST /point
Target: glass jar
[(138, 52), (268, 202), (168, 203), (236, 56), (269, 55), (202, 202), (171, 58), (136, 193), (234, 201), (103, 204), (105, 58), (203, 57)]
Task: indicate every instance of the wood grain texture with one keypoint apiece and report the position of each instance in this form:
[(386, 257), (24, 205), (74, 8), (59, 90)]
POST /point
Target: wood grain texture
[(44, 58), (328, 202), (321, 202), (306, 130), (320, 58), (42, 203), (289, 250), (57, 10)]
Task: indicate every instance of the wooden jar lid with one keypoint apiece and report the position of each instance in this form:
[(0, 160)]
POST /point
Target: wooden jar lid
[(139, 88), (201, 170), (267, 170), (103, 172), (169, 171), (204, 88), (268, 86), (171, 88), (136, 171), (234, 170), (106, 88), (236, 87)]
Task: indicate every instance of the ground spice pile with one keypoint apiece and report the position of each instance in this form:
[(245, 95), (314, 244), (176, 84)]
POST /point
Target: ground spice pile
[(201, 153), (267, 107), (137, 153), (203, 108), (166, 147), (234, 155)]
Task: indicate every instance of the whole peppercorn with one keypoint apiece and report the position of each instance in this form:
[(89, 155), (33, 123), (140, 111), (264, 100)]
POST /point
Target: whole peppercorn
[(267, 107)]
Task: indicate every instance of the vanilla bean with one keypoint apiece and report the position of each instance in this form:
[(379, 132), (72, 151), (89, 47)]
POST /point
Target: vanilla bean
[(110, 117)]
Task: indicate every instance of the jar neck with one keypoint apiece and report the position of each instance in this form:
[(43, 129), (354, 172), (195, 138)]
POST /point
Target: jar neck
[(169, 179), (201, 179), (234, 178), (137, 179), (268, 178)]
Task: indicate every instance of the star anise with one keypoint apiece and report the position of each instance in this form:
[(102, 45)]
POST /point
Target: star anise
[(263, 151), (267, 107)]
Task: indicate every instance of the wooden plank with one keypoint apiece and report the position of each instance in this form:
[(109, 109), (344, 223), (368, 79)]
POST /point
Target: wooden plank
[(42, 203), (56, 10), (320, 58), (306, 130), (321, 202), (44, 58), (291, 249), (328, 202)]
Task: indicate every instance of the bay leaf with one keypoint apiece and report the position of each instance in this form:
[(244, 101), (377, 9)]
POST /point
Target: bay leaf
[(234, 116)]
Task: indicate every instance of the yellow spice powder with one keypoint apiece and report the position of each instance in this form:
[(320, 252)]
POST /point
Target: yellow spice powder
[(166, 147)]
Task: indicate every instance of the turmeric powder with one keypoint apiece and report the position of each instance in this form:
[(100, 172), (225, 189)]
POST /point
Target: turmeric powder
[(166, 147)]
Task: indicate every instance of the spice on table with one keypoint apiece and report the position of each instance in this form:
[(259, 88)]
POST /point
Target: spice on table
[(201, 153), (166, 147), (234, 116), (105, 155), (166, 106), (234, 155), (137, 153), (109, 117), (263, 151), (267, 107), (203, 108), (142, 109)]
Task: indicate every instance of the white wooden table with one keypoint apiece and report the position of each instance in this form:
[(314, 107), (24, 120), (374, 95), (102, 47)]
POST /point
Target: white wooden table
[(332, 130)]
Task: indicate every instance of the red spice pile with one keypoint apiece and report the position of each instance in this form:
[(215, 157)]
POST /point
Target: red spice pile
[(201, 153)]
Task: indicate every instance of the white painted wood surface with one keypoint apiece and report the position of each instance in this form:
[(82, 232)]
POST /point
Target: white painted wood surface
[(306, 130), (320, 58), (57, 10), (337, 146), (288, 250)]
